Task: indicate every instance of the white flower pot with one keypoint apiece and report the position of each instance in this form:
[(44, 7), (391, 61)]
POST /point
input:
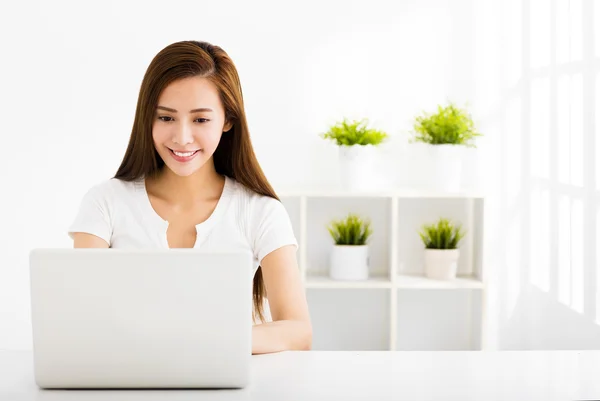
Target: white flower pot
[(357, 167), (441, 264), (444, 167), (349, 262)]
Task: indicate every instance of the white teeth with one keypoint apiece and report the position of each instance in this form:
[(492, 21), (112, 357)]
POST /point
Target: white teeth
[(182, 154)]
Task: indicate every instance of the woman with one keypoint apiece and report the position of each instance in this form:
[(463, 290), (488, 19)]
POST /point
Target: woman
[(190, 178)]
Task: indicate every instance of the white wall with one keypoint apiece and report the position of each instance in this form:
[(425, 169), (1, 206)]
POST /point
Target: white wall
[(71, 71)]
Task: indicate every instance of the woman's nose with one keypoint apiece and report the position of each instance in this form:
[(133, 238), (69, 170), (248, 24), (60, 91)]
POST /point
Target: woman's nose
[(183, 135)]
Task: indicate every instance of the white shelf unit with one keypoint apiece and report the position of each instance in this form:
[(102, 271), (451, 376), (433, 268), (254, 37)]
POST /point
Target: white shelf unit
[(397, 308)]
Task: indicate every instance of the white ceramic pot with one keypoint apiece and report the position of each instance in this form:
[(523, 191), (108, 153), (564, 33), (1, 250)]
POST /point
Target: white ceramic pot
[(349, 262), (441, 264), (357, 167), (444, 167)]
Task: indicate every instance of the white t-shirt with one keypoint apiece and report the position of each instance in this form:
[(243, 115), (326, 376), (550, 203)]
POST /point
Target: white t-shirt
[(120, 212)]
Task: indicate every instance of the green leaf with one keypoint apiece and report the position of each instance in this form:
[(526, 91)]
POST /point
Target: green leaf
[(441, 235), (449, 125), (346, 133), (351, 230)]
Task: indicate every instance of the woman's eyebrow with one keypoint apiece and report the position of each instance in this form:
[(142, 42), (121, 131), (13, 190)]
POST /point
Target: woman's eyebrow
[(191, 111)]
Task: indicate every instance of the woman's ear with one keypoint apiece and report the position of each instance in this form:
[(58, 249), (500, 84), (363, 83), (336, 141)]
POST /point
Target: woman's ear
[(228, 125)]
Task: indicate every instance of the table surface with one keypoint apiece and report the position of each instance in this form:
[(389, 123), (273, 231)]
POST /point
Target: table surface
[(374, 375)]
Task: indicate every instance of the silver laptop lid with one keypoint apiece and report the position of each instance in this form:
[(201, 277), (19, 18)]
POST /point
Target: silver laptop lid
[(141, 318)]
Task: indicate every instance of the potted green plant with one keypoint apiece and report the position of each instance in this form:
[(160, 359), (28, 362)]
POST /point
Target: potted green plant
[(356, 142), (349, 259), (446, 133), (441, 241)]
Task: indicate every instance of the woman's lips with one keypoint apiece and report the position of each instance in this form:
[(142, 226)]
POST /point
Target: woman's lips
[(183, 157)]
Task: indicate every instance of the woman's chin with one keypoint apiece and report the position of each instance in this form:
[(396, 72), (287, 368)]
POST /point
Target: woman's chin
[(184, 171)]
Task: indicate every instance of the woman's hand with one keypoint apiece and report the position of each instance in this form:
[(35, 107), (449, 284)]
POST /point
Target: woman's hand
[(291, 328)]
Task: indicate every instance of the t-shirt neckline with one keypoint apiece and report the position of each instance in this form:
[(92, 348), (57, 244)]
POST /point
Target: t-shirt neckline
[(203, 228)]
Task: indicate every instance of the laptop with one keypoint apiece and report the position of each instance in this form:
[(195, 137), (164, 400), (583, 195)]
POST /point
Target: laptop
[(116, 318)]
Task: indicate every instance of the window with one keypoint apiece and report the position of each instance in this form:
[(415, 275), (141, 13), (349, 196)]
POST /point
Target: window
[(559, 193)]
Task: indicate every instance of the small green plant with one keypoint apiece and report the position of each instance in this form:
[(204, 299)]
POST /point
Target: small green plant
[(351, 230), (442, 235), (349, 133), (449, 125)]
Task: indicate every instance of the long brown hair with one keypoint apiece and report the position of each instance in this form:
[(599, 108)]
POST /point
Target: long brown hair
[(234, 156)]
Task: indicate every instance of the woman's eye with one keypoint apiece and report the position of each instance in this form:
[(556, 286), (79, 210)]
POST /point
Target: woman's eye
[(169, 119)]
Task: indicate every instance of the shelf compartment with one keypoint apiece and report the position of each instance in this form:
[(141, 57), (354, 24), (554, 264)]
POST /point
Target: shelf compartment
[(321, 211), (413, 213), (438, 320), (350, 320)]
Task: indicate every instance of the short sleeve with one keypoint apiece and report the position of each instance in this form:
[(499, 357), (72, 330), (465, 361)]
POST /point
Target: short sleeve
[(93, 216), (272, 227)]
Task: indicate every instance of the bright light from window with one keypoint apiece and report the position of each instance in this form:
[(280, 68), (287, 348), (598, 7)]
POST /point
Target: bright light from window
[(564, 250), (576, 29), (540, 128), (513, 141), (513, 263), (576, 131), (562, 31), (540, 33), (598, 265), (563, 127), (540, 239), (577, 241), (513, 42), (597, 137), (596, 6)]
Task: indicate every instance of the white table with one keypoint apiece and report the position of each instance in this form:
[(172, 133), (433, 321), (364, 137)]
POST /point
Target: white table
[(290, 376)]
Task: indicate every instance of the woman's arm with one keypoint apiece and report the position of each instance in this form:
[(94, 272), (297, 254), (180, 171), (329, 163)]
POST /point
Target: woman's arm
[(291, 327), (85, 240)]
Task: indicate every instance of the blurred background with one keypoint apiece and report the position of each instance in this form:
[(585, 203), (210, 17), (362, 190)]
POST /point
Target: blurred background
[(527, 71)]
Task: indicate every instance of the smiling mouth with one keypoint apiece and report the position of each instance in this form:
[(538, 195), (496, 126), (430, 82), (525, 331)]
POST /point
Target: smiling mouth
[(184, 154), (183, 157)]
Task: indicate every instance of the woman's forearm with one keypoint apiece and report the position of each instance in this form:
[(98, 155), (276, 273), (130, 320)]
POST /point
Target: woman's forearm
[(281, 335)]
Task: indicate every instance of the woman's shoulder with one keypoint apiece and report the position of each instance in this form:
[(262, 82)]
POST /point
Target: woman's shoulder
[(251, 200), (266, 221), (117, 184), (259, 209), (112, 189), (98, 208)]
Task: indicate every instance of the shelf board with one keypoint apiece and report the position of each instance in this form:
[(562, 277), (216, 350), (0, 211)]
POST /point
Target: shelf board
[(326, 282), (409, 281), (403, 281), (400, 193)]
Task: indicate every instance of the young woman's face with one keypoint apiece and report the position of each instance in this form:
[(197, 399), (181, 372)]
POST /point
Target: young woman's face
[(188, 124)]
